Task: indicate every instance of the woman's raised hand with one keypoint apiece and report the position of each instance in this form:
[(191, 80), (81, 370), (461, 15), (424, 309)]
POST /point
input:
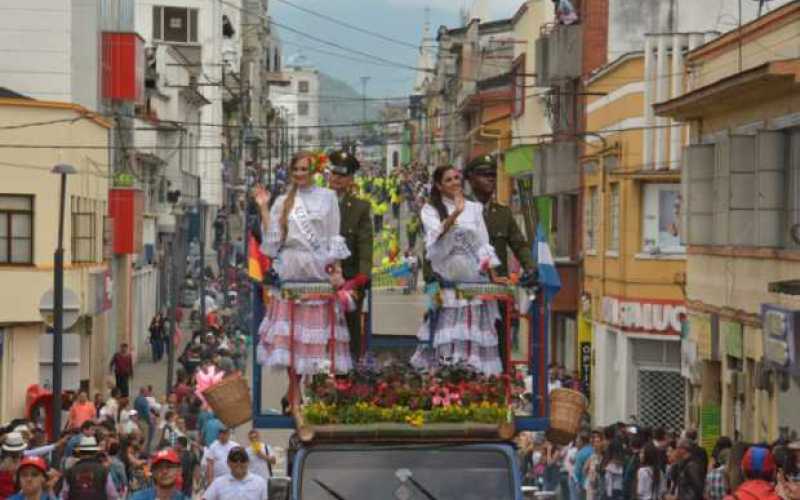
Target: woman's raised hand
[(459, 202), (261, 196)]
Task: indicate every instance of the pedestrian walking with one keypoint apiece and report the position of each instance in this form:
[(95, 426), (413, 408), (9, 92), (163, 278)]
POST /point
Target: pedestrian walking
[(239, 483), (260, 455), (144, 411), (156, 340), (122, 367), (687, 473), (217, 457), (88, 478), (650, 482), (80, 411)]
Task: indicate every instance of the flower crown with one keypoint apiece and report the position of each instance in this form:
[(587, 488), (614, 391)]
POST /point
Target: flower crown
[(319, 161)]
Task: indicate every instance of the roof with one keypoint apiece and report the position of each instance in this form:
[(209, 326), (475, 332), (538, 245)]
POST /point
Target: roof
[(10, 94), (773, 78), (26, 102), (608, 67)]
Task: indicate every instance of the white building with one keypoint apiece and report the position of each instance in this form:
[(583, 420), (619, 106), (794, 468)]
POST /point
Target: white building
[(393, 133), (300, 100)]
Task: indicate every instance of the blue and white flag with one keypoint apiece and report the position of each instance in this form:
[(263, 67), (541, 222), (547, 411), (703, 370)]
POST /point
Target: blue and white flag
[(549, 279)]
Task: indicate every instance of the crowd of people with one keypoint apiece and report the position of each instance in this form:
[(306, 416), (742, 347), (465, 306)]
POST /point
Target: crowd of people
[(625, 462)]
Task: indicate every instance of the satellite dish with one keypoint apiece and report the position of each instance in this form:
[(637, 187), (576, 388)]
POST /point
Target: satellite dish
[(72, 308)]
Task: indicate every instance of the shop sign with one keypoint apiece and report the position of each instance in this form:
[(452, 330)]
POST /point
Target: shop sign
[(585, 364), (780, 328), (734, 343), (654, 316), (101, 292), (710, 426)]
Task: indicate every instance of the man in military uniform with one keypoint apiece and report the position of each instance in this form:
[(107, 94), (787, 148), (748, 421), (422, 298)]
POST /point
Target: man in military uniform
[(504, 233), (356, 228)]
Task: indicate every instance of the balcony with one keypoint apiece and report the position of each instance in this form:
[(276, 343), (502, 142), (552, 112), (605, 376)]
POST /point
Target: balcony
[(559, 54)]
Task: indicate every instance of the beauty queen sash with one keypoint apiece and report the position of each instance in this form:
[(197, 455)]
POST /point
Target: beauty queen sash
[(303, 219)]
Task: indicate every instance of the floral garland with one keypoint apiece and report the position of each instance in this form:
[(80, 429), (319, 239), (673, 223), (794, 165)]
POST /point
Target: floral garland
[(402, 394), (319, 162)]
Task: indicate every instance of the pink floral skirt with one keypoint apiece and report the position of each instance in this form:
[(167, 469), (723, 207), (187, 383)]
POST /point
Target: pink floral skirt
[(304, 342)]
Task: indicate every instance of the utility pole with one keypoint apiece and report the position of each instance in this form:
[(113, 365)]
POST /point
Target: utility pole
[(178, 260), (201, 210), (364, 81)]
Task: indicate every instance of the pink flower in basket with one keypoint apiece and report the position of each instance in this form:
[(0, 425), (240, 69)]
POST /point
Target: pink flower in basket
[(444, 397), (205, 379)]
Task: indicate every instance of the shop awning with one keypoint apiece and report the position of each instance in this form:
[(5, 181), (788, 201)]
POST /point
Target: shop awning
[(519, 160)]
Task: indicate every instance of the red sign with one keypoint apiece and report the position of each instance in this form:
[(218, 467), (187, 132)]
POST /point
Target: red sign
[(123, 67), (126, 207), (653, 316)]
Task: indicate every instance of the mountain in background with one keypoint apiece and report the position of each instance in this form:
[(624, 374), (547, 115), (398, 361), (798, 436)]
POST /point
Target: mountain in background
[(341, 103)]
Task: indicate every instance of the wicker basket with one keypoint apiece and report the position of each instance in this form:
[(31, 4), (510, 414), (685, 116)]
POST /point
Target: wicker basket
[(230, 400), (566, 411)]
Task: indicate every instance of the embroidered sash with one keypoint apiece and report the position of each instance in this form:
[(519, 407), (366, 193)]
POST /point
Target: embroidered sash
[(303, 219)]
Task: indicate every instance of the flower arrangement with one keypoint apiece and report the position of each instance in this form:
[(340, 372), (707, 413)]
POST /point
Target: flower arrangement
[(402, 394), (319, 162)]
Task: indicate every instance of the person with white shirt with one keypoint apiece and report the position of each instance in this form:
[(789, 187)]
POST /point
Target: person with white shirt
[(261, 457), (240, 483), (217, 455)]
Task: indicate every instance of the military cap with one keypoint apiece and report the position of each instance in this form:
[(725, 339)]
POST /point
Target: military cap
[(480, 164), (343, 163)]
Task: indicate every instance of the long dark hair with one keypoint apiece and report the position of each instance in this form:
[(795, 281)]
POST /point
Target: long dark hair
[(436, 194), (651, 458)]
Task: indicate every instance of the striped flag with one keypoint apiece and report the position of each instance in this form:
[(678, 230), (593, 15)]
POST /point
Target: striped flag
[(549, 280), (257, 262)]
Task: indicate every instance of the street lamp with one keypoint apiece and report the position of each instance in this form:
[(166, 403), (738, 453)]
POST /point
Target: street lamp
[(58, 298)]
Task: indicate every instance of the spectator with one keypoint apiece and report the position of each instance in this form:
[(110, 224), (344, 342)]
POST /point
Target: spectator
[(110, 409), (260, 455), (217, 459), (688, 474), (211, 429), (116, 468), (88, 477), (13, 446), (190, 466), (717, 479), (122, 366), (166, 467), (87, 430), (156, 337), (758, 468), (578, 476), (81, 410), (239, 483), (33, 480), (612, 469), (169, 429), (142, 406), (649, 477)]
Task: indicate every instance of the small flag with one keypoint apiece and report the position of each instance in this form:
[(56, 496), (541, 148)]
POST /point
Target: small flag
[(257, 262), (548, 274)]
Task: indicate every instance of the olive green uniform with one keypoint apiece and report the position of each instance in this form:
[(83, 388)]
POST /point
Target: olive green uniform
[(356, 229)]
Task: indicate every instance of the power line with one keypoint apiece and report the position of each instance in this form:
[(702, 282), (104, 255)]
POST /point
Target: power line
[(351, 26)]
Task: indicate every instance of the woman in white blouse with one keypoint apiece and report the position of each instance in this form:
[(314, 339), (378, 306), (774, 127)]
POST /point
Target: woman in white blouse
[(301, 235), (457, 245)]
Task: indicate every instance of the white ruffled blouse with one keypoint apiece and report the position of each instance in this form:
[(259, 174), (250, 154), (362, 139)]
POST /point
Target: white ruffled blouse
[(311, 244), (458, 255)]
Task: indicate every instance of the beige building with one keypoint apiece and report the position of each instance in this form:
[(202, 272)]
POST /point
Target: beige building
[(742, 207), (29, 214)]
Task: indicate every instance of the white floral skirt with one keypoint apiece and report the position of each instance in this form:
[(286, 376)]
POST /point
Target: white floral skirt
[(464, 333), (306, 339)]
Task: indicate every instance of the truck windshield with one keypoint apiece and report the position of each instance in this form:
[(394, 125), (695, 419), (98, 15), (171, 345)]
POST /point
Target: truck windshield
[(441, 473)]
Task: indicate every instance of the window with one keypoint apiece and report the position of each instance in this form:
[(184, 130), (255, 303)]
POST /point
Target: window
[(84, 230), (661, 219), (613, 219), (518, 86), (302, 108), (16, 229), (174, 24), (590, 219), (302, 86), (395, 159)]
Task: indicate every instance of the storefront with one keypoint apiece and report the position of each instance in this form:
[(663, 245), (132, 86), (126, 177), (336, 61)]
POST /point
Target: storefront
[(637, 342)]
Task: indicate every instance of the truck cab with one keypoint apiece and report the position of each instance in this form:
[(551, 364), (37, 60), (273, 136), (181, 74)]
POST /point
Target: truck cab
[(402, 471)]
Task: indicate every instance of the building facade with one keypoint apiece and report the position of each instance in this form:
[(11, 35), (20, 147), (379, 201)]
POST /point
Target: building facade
[(300, 99), (29, 210), (740, 176)]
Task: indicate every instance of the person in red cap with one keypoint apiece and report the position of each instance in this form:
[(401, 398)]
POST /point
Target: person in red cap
[(758, 467), (32, 480), (166, 467)]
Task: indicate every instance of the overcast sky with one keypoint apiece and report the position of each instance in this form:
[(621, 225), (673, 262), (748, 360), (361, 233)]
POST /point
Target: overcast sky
[(399, 19)]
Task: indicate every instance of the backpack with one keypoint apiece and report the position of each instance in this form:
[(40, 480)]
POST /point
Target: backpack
[(87, 480)]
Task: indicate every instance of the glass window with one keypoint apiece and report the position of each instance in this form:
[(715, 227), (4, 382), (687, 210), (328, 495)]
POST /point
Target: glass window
[(175, 24), (463, 472), (302, 108), (302, 86), (589, 219), (16, 229), (613, 218), (157, 27), (661, 219)]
